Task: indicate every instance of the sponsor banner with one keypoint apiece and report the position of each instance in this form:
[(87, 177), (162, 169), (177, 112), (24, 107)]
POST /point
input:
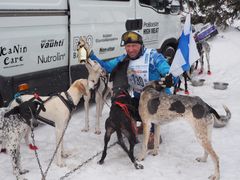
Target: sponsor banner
[(104, 44), (150, 32), (24, 55)]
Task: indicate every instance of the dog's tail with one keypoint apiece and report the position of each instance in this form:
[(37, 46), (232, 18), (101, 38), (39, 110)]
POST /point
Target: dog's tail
[(221, 120)]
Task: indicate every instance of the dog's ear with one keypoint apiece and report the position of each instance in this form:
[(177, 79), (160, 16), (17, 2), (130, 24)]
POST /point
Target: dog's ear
[(158, 86), (13, 111), (154, 85), (26, 109), (41, 106)]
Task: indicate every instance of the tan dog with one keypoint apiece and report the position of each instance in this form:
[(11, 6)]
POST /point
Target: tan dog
[(157, 107), (102, 87), (58, 111)]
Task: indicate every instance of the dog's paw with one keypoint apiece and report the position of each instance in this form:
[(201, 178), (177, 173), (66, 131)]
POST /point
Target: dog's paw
[(24, 171), (213, 177), (100, 162), (141, 157), (61, 164), (3, 150), (153, 152), (97, 132), (201, 159), (66, 154), (85, 130), (138, 166)]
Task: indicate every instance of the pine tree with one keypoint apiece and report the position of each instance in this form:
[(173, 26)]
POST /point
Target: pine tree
[(220, 12)]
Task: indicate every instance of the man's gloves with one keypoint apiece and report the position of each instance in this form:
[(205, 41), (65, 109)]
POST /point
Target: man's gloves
[(83, 50), (167, 81)]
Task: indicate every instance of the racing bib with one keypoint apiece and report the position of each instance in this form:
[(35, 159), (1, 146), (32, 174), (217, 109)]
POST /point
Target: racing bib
[(138, 72)]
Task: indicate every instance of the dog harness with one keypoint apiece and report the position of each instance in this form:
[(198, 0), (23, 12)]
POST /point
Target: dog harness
[(125, 109), (68, 103), (103, 79)]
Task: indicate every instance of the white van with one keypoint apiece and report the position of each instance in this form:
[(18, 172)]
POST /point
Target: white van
[(38, 39)]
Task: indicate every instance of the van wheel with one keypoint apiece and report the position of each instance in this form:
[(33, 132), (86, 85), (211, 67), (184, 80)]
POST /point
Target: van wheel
[(169, 53)]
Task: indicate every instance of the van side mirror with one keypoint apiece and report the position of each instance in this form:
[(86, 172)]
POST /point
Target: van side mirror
[(168, 6), (175, 7)]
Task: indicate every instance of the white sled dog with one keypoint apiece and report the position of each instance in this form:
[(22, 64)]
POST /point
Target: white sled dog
[(102, 87), (58, 111)]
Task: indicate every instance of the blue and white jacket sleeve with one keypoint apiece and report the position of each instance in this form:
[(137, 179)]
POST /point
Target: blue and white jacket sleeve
[(162, 66)]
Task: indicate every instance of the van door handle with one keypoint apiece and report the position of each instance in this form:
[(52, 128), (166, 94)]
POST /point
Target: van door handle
[(135, 24)]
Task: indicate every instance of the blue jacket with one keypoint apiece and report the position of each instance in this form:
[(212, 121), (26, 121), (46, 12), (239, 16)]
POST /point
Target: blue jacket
[(158, 67)]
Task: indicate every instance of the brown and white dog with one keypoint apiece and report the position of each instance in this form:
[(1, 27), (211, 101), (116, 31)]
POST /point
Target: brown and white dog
[(58, 111), (157, 107)]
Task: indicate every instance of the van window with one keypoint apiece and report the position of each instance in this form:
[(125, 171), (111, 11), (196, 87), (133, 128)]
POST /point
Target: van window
[(115, 0), (158, 4)]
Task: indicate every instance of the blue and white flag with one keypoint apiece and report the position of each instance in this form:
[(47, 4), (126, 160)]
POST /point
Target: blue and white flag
[(186, 53)]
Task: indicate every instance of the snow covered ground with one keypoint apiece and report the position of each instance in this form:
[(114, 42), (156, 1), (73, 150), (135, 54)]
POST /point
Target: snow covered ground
[(176, 159)]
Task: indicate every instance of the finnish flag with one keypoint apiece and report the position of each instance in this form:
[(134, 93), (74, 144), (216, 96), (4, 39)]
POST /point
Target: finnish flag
[(186, 53)]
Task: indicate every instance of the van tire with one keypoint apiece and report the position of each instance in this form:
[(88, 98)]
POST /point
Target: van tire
[(169, 53)]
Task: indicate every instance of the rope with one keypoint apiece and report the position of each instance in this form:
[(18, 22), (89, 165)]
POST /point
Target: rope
[(85, 162), (44, 174), (36, 154)]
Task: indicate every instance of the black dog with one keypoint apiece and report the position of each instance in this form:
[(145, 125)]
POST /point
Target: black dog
[(121, 121), (177, 87)]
